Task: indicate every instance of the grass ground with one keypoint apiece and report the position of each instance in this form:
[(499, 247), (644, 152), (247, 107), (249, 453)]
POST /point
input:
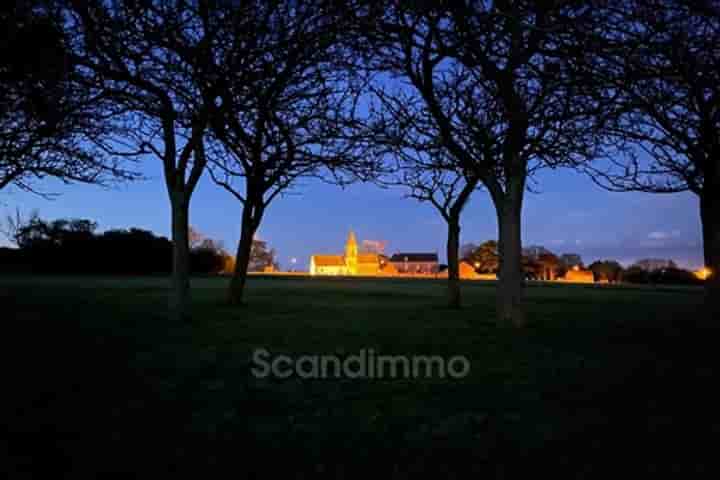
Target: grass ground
[(603, 380)]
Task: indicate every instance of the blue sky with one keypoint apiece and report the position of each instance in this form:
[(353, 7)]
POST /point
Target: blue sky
[(569, 215)]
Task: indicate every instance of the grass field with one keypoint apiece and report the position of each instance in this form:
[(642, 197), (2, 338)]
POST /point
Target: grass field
[(603, 380)]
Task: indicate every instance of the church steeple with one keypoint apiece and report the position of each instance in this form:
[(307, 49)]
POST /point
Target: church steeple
[(351, 252), (351, 239)]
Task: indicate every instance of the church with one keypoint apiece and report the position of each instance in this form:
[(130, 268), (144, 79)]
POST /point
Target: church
[(352, 263)]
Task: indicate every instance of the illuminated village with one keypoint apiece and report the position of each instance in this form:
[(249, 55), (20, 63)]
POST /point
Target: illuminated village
[(426, 265), (539, 263), (374, 264)]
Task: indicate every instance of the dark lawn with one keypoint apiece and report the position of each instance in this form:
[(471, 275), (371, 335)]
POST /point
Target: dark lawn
[(603, 380)]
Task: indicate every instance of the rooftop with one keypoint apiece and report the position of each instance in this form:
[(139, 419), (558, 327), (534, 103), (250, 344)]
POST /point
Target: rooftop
[(328, 260), (414, 257)]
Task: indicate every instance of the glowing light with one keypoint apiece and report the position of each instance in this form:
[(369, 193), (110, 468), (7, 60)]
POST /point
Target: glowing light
[(703, 273), (477, 264)]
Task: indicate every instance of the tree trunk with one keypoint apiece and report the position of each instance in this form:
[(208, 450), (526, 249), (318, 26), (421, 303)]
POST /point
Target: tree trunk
[(180, 282), (710, 216), (453, 246), (510, 281), (242, 257)]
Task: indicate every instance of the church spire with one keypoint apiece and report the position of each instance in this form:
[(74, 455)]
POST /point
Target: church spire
[(351, 253)]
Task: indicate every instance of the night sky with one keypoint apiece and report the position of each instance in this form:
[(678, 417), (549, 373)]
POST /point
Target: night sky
[(569, 214)]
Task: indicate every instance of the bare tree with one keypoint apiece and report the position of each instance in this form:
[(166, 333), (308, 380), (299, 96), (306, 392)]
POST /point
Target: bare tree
[(429, 176), (403, 129), (48, 122), (154, 61), (262, 257), (485, 257), (373, 246), (14, 224), (449, 193), (195, 237), (496, 80), (664, 60), (286, 110)]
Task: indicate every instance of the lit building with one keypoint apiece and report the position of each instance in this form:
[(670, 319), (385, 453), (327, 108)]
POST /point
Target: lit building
[(416, 263), (467, 271), (578, 275), (352, 263)]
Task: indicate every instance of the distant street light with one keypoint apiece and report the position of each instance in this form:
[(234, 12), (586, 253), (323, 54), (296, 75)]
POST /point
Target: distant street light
[(704, 273)]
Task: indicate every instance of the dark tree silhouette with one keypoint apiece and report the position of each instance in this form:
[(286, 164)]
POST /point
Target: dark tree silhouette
[(286, 106), (498, 81), (49, 124), (608, 270), (154, 60), (73, 246), (208, 257), (663, 58), (431, 178), (262, 257), (485, 258), (403, 129)]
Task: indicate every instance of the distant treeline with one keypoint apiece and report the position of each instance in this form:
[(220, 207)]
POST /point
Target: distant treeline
[(539, 263), (663, 276), (73, 246)]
